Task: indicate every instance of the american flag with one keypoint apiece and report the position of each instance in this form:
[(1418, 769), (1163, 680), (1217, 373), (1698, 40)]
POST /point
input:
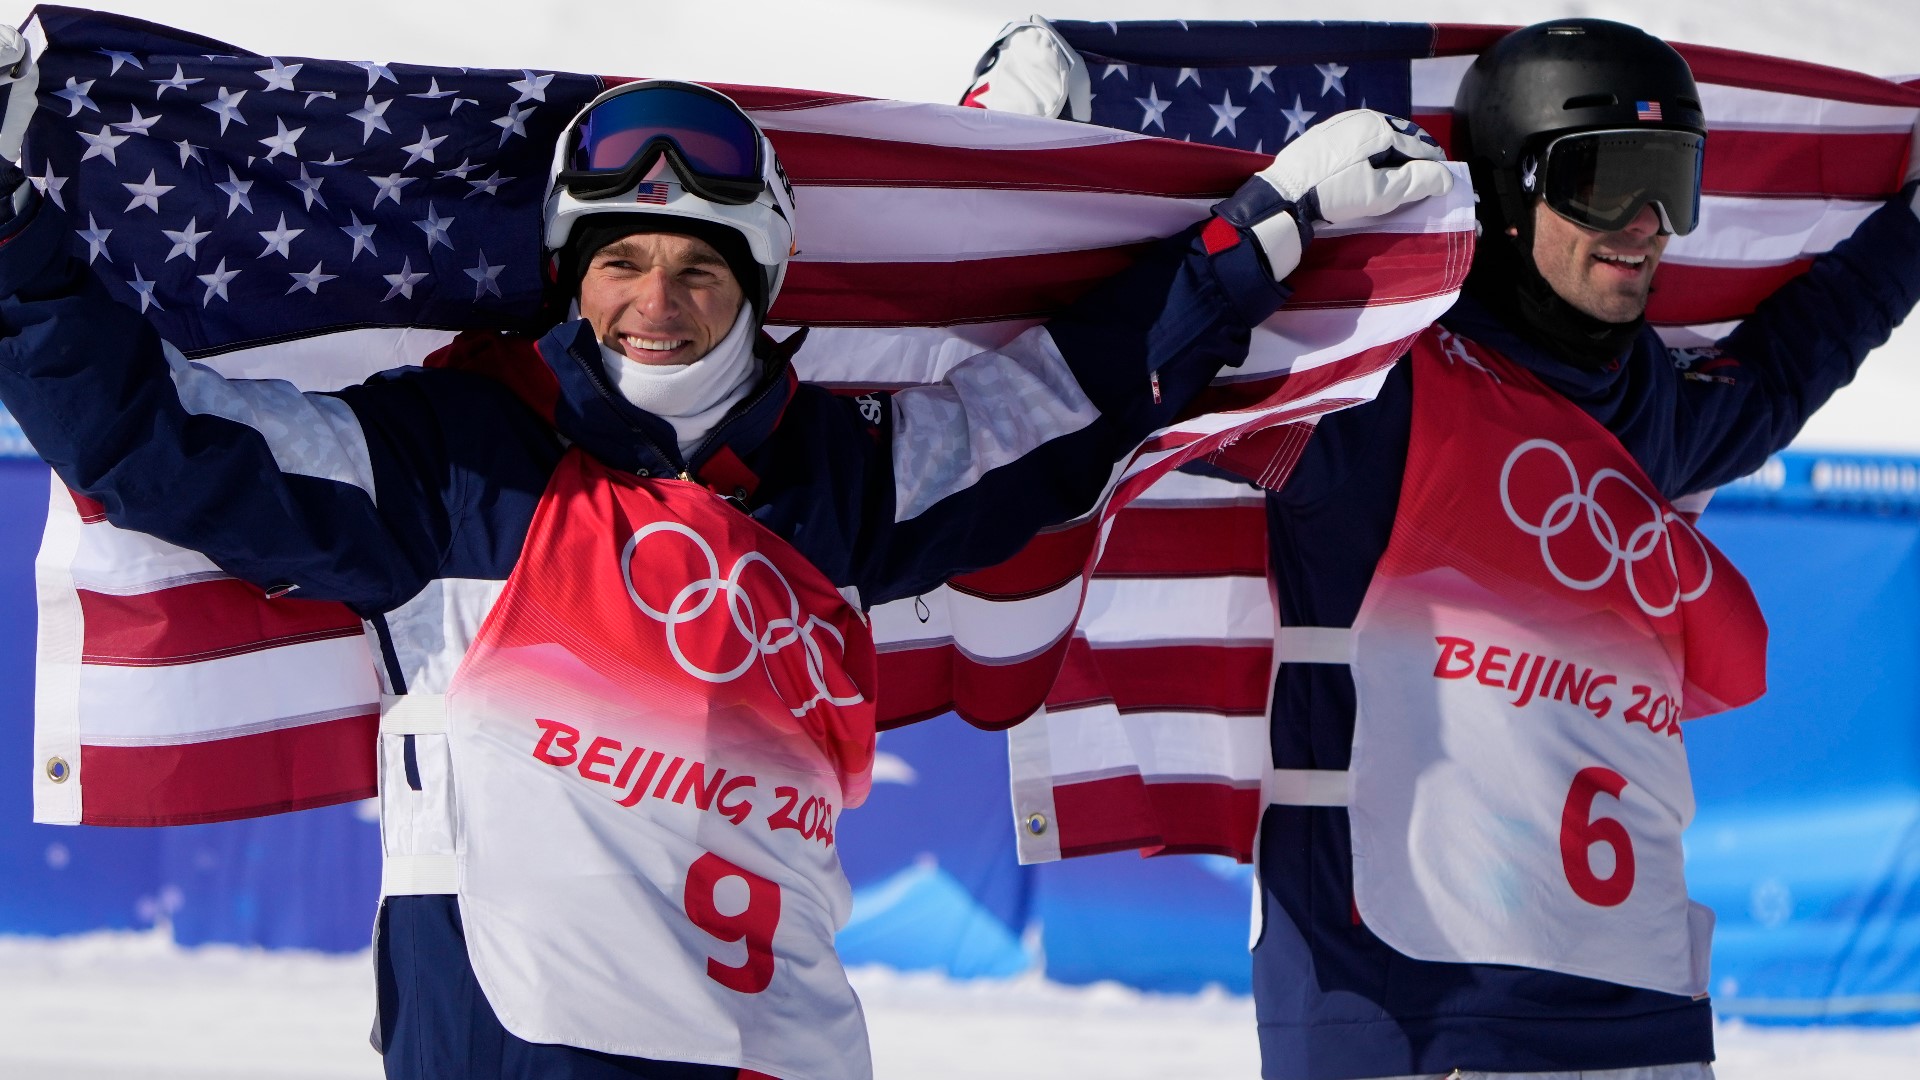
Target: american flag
[(319, 220), (1155, 672), (1646, 110), (1155, 734)]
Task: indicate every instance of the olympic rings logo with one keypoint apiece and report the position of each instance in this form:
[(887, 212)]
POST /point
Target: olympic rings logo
[(1650, 539), (762, 639)]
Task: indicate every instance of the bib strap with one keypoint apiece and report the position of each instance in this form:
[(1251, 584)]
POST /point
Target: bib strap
[(1314, 645), (419, 875), (1306, 787), (405, 873), (413, 714)]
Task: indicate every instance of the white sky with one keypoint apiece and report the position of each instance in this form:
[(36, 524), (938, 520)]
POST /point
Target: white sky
[(925, 50)]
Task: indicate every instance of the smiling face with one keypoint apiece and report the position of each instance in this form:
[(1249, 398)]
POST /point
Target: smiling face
[(659, 298), (1607, 275)]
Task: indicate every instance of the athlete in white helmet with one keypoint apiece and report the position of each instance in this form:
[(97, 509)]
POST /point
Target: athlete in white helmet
[(620, 606)]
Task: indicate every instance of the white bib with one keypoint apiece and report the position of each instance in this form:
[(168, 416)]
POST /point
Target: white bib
[(1539, 625), (652, 739)]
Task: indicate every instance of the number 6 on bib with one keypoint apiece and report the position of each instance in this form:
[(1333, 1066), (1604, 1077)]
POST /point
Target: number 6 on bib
[(1578, 834)]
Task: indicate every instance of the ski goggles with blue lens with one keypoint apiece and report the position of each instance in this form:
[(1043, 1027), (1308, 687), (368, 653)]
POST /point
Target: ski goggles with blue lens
[(1601, 179), (708, 141)]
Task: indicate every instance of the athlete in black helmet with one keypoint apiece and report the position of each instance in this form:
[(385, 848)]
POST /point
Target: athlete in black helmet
[(1493, 618), (1501, 891), (1575, 129)]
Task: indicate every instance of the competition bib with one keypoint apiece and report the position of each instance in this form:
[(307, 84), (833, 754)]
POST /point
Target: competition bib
[(653, 737), (1540, 624)]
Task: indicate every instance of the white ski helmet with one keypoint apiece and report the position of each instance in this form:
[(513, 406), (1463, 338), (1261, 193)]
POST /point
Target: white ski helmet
[(667, 149)]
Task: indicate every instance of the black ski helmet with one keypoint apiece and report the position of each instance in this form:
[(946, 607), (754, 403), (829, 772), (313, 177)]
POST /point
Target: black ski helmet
[(1552, 79)]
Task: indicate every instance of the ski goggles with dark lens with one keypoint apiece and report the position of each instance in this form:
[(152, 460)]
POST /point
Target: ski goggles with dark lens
[(710, 144), (1601, 179)]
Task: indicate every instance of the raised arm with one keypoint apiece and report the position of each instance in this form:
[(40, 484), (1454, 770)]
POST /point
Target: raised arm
[(1023, 437), (277, 487), (1803, 343)]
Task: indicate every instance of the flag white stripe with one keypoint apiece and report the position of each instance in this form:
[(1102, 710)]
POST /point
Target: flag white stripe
[(988, 631), (1737, 232), (57, 666), (921, 224), (1696, 336), (940, 225), (1436, 82), (1301, 340), (927, 124), (1098, 740), (329, 361), (1184, 610), (121, 562), (1739, 107), (1455, 214), (201, 737), (1178, 489), (181, 702), (1293, 339)]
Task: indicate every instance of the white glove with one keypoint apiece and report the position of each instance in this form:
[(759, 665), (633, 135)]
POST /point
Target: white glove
[(1030, 69), (19, 80), (1359, 164)]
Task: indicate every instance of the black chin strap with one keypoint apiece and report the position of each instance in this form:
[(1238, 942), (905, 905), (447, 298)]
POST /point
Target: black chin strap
[(1507, 282)]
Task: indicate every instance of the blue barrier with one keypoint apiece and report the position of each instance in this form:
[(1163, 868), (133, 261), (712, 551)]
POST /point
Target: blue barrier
[(1807, 840), (12, 443)]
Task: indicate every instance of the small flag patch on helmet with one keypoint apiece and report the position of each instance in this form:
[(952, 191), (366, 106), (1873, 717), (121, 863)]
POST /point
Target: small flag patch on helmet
[(1647, 110), (651, 192)]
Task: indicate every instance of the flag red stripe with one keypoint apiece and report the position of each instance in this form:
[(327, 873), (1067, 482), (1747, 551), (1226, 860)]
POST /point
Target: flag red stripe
[(1838, 165), (1186, 818), (249, 776), (916, 684), (1049, 560), (1145, 542), (1685, 295), (1340, 271), (1780, 164), (1378, 268), (1727, 67), (204, 620), (90, 510), (754, 98), (1265, 457), (1225, 679), (1133, 166), (1439, 125), (1152, 541), (1461, 39)]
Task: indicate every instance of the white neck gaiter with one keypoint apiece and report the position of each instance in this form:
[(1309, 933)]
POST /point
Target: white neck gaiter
[(692, 397)]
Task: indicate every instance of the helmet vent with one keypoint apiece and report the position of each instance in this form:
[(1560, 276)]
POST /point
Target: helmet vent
[(1591, 101)]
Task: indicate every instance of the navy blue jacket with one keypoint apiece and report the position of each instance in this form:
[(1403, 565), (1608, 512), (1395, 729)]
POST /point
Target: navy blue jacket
[(1334, 1001)]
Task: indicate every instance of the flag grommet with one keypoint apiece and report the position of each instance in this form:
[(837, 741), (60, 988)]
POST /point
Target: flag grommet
[(58, 770), (1037, 824)]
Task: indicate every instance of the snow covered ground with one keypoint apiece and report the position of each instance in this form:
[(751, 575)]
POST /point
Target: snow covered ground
[(125, 1006)]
